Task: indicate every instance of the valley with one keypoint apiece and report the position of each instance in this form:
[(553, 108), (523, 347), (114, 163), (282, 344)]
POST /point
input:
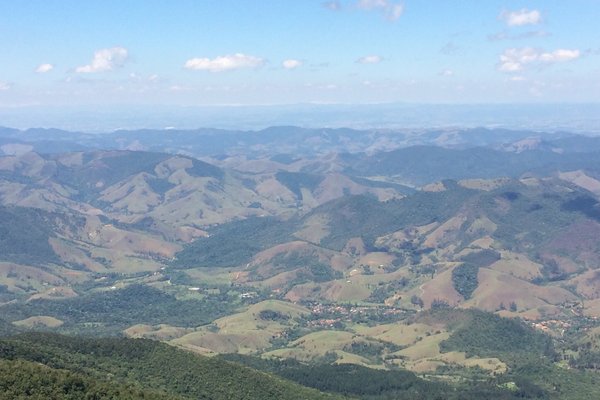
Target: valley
[(453, 256)]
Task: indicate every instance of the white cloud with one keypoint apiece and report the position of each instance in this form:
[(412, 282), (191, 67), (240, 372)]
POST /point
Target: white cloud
[(517, 78), (370, 60), (4, 86), (521, 17), (560, 55), (224, 63), (392, 11), (371, 4), (105, 60), (291, 64), (43, 68), (514, 60), (395, 11), (446, 72)]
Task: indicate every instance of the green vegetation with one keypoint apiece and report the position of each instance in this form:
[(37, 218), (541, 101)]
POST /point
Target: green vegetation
[(586, 205), (271, 315), (355, 380), (6, 328), (534, 216), (108, 313), (284, 158), (135, 364), (548, 381), (385, 290), (482, 258), (364, 216), (108, 168), (586, 360), (482, 334), (319, 272), (128, 163), (202, 169), (309, 266), (21, 380), (295, 181), (383, 184), (421, 165), (160, 186), (24, 234), (366, 383), (464, 279), (234, 243)]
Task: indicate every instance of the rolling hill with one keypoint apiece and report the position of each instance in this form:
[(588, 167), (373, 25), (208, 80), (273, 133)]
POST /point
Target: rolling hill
[(462, 263)]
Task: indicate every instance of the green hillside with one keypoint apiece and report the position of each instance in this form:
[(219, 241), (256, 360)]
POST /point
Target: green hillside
[(372, 384), (87, 366), (108, 313), (366, 217), (420, 165), (24, 234), (234, 243), (107, 168), (295, 181), (21, 380)]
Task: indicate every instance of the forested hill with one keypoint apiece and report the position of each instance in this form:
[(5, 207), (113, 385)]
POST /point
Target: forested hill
[(47, 366)]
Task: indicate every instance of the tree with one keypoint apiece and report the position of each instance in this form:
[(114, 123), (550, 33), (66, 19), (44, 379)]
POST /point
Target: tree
[(417, 301), (439, 304)]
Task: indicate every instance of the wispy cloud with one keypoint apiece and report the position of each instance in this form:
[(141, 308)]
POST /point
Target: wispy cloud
[(504, 35), (450, 48), (372, 59), (521, 17), (517, 78), (324, 86), (43, 68), (152, 78), (391, 11), (515, 60), (446, 72), (4, 86), (291, 64), (105, 60), (224, 63)]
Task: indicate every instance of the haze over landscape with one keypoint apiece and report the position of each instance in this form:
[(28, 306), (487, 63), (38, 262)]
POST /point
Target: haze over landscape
[(359, 199), (130, 59)]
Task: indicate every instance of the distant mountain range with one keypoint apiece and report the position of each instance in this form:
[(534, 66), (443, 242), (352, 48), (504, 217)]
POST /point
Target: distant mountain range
[(301, 142)]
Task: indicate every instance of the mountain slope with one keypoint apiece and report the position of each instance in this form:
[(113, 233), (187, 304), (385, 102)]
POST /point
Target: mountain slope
[(145, 363), (420, 165)]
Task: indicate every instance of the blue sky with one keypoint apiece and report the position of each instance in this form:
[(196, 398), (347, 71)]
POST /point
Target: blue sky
[(298, 51)]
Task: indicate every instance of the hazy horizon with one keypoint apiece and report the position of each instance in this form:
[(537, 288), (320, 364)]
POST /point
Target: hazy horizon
[(582, 118)]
